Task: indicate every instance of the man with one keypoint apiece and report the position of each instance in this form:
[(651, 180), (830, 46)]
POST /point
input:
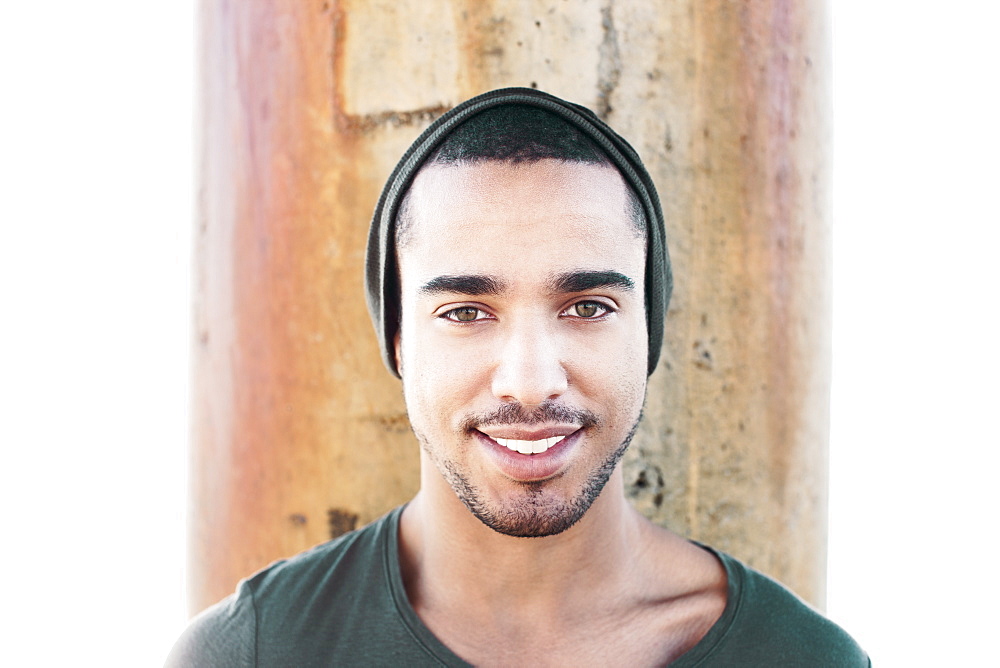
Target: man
[(518, 279)]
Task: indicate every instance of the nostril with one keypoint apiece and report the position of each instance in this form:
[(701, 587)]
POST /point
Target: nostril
[(531, 386)]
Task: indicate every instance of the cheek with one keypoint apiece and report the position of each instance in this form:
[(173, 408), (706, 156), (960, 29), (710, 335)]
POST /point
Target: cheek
[(440, 379), (618, 352), (614, 369)]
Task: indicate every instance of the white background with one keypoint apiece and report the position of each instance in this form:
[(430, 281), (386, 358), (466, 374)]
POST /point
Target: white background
[(95, 245), (914, 443)]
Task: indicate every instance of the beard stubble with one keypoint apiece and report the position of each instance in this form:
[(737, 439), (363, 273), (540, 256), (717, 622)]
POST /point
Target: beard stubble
[(536, 513)]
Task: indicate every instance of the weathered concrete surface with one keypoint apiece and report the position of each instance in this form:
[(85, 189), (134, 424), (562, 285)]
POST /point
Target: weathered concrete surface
[(300, 434)]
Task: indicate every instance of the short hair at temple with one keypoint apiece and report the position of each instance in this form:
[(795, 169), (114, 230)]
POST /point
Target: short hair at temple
[(517, 134)]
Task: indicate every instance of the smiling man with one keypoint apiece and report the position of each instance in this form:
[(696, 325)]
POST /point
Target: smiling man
[(522, 344), (518, 279)]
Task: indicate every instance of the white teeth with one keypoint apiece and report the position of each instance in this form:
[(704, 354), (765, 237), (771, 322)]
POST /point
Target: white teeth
[(529, 447)]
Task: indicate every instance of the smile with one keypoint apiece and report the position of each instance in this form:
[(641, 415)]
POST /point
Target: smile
[(531, 453), (529, 447)]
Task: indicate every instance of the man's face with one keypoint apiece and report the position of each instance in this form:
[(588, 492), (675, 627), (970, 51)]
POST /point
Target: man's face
[(523, 339)]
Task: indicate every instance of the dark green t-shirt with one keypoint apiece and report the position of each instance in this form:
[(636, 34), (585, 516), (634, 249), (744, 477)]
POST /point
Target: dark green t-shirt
[(343, 604)]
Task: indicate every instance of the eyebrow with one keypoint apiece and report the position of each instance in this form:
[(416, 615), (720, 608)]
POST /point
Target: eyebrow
[(581, 281), (471, 284), (571, 281)]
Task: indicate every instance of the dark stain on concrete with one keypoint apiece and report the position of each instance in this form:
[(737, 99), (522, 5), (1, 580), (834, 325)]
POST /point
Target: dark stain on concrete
[(341, 521), (609, 64)]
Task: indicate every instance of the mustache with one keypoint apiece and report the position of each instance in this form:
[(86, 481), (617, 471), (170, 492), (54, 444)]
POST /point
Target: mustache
[(517, 413)]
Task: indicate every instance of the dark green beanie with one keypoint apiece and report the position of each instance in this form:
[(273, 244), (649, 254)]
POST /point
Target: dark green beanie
[(381, 273)]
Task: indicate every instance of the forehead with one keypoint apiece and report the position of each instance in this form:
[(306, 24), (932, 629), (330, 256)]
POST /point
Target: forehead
[(494, 215)]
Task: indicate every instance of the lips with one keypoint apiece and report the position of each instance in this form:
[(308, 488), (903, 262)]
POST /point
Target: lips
[(529, 441), (533, 455)]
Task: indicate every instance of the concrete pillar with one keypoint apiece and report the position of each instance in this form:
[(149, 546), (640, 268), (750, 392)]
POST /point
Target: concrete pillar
[(300, 434)]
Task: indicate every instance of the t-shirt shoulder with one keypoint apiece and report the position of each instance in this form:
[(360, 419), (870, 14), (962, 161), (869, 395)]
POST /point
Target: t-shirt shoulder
[(221, 636), (764, 624), (265, 612)]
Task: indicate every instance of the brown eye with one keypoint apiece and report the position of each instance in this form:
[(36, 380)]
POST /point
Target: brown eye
[(466, 314), (588, 309)]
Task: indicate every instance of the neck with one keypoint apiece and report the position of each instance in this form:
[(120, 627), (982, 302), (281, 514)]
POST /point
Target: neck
[(450, 558), (613, 588)]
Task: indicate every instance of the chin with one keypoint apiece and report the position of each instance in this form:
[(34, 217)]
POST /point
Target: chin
[(535, 509), (534, 517)]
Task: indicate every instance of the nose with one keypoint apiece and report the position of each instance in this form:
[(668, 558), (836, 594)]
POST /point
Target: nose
[(529, 369)]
